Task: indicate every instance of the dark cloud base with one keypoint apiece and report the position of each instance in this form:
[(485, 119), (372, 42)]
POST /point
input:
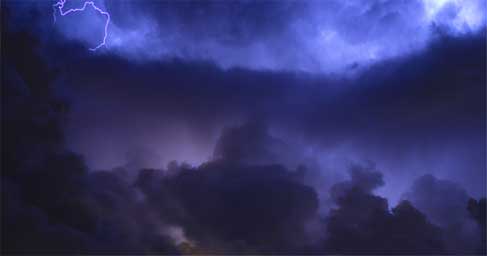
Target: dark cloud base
[(241, 201)]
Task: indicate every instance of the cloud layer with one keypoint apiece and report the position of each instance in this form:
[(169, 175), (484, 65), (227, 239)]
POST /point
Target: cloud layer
[(389, 160), (312, 36)]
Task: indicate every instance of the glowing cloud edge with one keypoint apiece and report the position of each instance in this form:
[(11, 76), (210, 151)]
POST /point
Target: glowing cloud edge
[(60, 6)]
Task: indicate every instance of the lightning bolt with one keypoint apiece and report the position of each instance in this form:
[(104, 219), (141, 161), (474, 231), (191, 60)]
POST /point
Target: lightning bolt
[(59, 6)]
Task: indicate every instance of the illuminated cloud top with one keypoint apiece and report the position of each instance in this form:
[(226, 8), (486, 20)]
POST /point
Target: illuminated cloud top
[(313, 36), (59, 7)]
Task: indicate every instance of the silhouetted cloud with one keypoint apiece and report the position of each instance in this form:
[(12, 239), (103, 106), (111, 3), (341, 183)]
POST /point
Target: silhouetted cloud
[(477, 210), (363, 224), (229, 207), (448, 205)]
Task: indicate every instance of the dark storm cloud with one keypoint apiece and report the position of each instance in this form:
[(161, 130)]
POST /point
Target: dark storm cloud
[(246, 198), (238, 202), (249, 143), (363, 224), (50, 203), (229, 207), (426, 193), (364, 178), (413, 115), (87, 213), (477, 210), (54, 205), (445, 204)]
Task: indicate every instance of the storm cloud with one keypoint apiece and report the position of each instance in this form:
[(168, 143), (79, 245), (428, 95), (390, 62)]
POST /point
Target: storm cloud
[(362, 222), (255, 140), (416, 115)]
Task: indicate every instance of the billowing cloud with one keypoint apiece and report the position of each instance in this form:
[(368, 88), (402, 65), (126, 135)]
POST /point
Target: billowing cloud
[(230, 208), (313, 36), (411, 116), (362, 222), (89, 139), (445, 204)]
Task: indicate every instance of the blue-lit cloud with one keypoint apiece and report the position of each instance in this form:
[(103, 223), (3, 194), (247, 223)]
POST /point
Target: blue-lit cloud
[(163, 89), (315, 36), (58, 7)]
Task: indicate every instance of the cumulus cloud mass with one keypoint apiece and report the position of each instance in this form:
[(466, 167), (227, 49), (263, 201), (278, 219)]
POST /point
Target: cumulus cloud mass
[(243, 127)]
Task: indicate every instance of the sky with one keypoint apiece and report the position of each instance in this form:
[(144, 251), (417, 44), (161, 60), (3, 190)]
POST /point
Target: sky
[(342, 127)]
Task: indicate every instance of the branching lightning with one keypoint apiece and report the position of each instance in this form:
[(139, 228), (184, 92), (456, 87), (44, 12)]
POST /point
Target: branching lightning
[(60, 6)]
